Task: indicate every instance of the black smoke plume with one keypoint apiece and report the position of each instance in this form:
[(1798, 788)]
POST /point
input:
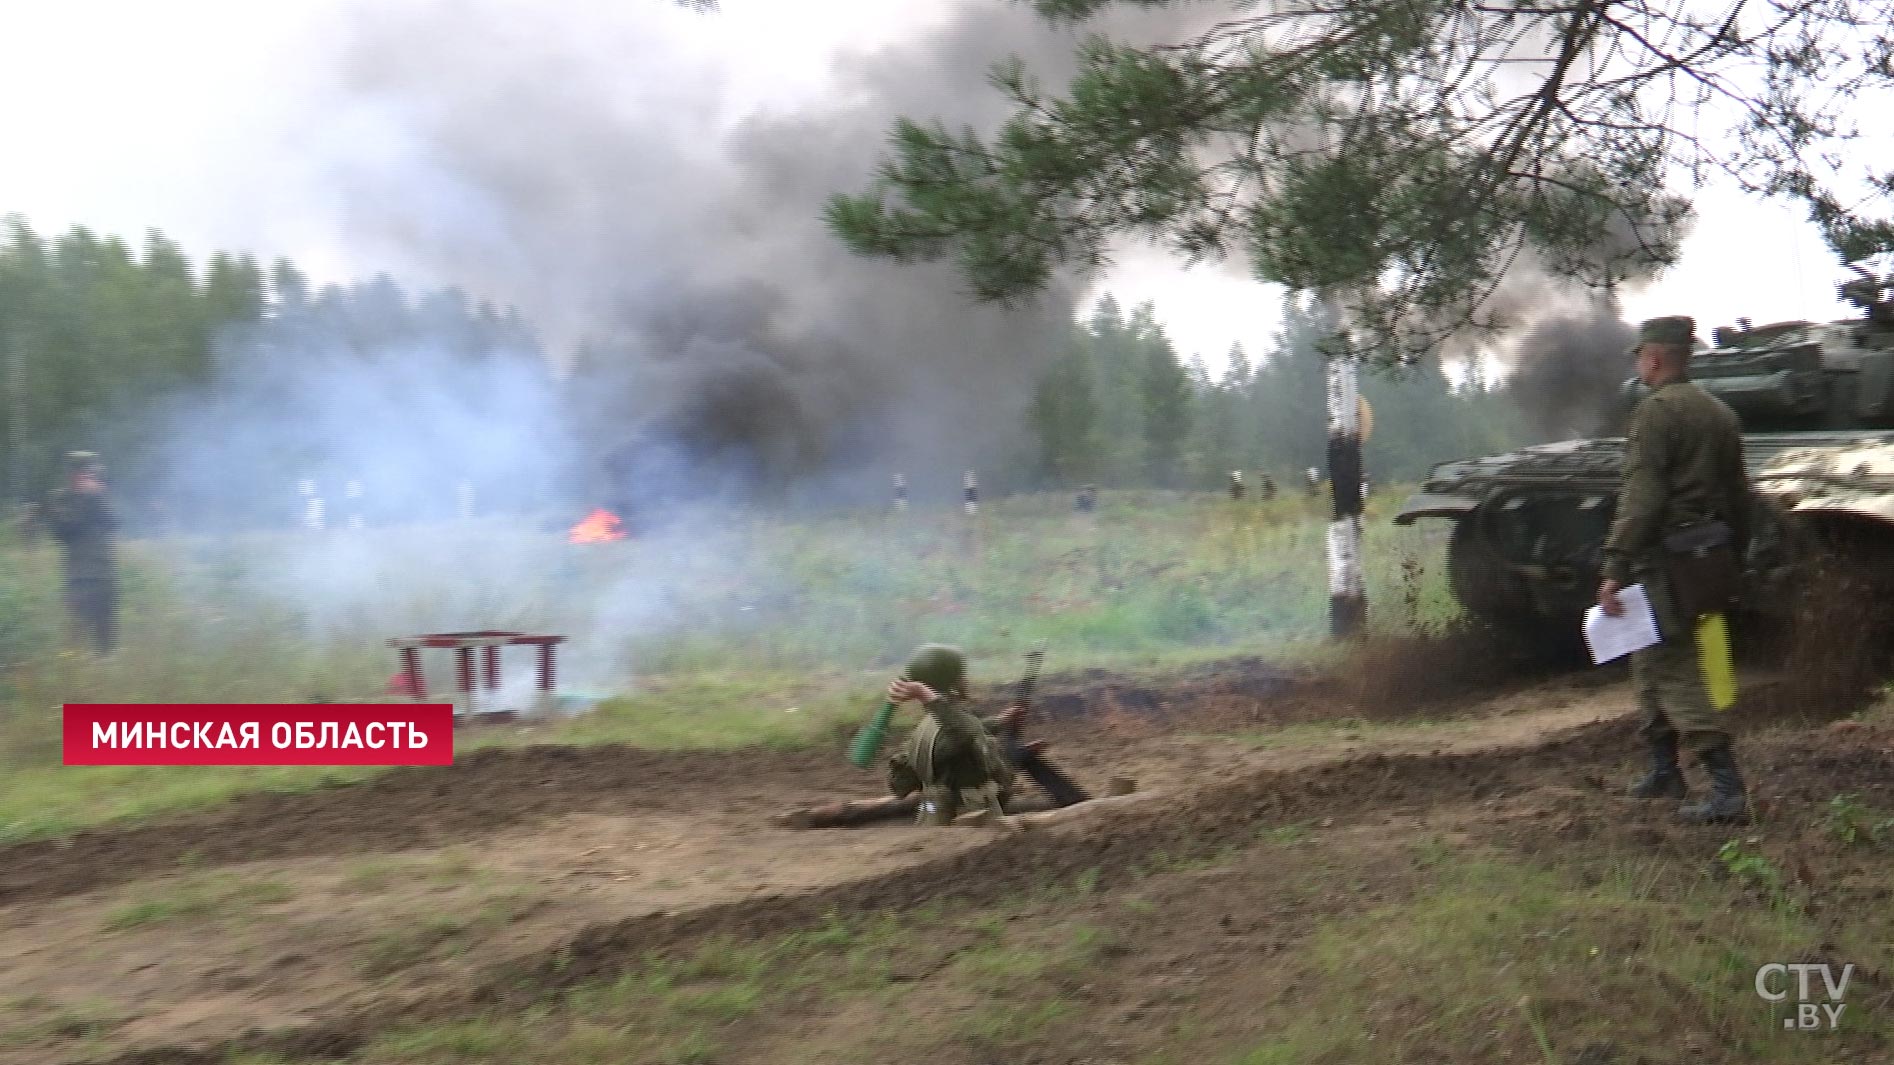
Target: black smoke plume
[(1570, 372), (728, 341)]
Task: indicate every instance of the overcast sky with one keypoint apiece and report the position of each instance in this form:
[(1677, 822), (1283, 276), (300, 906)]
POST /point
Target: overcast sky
[(196, 117)]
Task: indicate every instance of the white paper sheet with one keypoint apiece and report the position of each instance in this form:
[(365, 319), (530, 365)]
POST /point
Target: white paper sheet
[(1633, 630)]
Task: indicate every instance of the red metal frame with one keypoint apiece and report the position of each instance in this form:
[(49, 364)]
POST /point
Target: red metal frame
[(488, 642)]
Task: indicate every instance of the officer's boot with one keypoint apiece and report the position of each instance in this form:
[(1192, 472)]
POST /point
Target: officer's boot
[(1665, 780), (1726, 801)]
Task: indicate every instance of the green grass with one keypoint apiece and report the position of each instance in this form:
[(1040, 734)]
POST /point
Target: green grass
[(681, 1009), (778, 633), (40, 802), (441, 935), (474, 1040), (83, 1022), (1285, 835), (219, 895), (451, 867), (1512, 961), (1848, 821)]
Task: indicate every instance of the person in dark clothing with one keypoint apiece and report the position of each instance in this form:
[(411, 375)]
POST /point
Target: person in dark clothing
[(80, 517)]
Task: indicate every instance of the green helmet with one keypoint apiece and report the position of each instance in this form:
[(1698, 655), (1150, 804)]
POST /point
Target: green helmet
[(938, 666), (80, 461)]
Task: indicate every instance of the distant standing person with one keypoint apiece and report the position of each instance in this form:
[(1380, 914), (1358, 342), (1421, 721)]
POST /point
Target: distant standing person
[(80, 517), (1685, 491)]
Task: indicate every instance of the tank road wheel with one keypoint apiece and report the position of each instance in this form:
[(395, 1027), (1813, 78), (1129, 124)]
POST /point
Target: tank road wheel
[(1498, 602), (1476, 579)]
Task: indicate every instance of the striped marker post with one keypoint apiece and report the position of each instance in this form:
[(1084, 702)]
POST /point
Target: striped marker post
[(1347, 591)]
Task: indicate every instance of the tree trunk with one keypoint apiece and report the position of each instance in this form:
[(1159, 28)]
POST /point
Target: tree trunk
[(851, 812)]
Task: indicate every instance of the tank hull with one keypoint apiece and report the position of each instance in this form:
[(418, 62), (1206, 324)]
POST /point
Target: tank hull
[(1816, 402), (1530, 525)]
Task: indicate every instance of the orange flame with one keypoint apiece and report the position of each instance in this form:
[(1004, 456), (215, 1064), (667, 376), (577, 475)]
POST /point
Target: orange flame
[(600, 526)]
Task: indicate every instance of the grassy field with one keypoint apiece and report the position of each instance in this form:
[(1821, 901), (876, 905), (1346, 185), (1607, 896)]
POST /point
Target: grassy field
[(767, 632)]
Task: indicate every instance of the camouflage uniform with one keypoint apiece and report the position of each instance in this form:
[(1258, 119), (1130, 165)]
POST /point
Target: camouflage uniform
[(84, 525), (952, 758), (1683, 464)]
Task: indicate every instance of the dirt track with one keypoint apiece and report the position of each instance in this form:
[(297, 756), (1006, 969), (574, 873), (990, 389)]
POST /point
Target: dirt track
[(560, 866), (492, 790)]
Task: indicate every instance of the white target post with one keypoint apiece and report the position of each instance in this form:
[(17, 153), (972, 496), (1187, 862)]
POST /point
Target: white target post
[(312, 505), (1347, 590), (900, 494)]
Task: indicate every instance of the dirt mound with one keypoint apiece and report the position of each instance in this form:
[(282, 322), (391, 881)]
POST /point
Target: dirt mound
[(1547, 798), (496, 788), (1095, 693), (1114, 846), (480, 794), (1426, 671), (1794, 779), (1835, 648)]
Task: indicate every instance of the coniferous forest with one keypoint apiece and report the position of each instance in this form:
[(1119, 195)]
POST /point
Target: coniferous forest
[(116, 348), (1121, 408), (102, 339)]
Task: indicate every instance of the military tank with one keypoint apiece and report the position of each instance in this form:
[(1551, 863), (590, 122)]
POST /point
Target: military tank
[(1817, 406)]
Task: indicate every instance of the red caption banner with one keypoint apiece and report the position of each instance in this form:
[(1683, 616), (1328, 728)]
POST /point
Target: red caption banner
[(259, 734)]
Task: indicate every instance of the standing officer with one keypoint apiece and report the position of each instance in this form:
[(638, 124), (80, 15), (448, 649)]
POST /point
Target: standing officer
[(1683, 472), (81, 519)]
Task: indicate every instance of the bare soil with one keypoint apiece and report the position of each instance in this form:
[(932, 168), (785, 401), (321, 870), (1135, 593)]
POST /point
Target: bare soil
[(495, 789), (309, 923)]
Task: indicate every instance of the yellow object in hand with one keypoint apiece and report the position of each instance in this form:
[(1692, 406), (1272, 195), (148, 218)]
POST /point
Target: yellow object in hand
[(1713, 656)]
